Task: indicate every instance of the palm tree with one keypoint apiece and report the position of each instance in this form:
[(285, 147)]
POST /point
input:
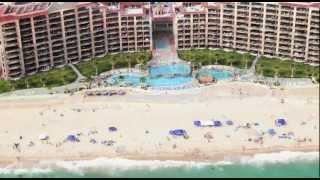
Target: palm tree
[(292, 69), (142, 80), (246, 58), (26, 82), (113, 62)]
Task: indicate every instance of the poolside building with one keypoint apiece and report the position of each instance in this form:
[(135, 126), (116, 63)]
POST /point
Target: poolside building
[(40, 36)]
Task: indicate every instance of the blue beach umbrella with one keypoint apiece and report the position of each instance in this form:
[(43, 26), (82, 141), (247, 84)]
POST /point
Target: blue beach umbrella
[(113, 129), (272, 132), (177, 132), (280, 122), (72, 138), (217, 123), (197, 123)]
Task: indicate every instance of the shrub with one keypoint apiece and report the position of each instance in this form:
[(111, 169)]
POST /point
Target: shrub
[(268, 72)]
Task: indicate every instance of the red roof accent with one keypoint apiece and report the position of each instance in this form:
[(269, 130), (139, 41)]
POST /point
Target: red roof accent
[(19, 11), (84, 4), (301, 4), (124, 5)]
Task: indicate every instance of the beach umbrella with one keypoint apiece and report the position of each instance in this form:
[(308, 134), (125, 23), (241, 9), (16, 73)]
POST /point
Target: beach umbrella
[(217, 123), (112, 129), (197, 123), (271, 132), (43, 137), (280, 122), (72, 138), (177, 132)]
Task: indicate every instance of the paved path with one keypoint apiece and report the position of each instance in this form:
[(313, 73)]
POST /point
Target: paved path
[(79, 75), (253, 65)]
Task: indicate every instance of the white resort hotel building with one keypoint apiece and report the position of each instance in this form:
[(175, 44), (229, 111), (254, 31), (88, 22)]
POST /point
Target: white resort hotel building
[(39, 36)]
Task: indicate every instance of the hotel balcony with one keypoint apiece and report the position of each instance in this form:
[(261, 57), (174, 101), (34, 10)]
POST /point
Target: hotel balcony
[(271, 11), (270, 44), (72, 50), (9, 27), (314, 42), (270, 40), (269, 50), (14, 67), (270, 34), (313, 53), (7, 33), (314, 48), (242, 34), (255, 27)]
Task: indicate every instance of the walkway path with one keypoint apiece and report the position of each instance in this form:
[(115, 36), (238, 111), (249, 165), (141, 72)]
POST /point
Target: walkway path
[(79, 75), (253, 65)]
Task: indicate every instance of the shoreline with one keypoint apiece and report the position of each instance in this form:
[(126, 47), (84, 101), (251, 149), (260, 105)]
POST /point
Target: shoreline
[(28, 162)]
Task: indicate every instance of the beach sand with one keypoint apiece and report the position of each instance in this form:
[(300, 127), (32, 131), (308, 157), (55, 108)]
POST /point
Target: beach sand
[(139, 111)]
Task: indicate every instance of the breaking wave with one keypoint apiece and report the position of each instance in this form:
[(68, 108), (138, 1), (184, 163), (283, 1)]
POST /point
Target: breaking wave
[(112, 166)]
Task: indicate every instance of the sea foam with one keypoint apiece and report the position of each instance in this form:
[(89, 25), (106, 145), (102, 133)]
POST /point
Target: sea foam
[(114, 165), (280, 157)]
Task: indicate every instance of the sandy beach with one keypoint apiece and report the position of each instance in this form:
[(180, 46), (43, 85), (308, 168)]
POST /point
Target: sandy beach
[(143, 121)]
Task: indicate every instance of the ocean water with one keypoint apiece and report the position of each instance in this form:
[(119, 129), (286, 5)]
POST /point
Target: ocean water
[(283, 164)]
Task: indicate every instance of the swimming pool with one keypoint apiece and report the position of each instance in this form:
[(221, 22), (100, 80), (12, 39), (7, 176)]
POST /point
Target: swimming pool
[(165, 81), (129, 78), (169, 70), (218, 74), (159, 76)]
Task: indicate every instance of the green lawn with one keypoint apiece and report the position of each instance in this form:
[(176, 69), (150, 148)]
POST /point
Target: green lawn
[(121, 60), (269, 67), (49, 79), (65, 75), (210, 57)]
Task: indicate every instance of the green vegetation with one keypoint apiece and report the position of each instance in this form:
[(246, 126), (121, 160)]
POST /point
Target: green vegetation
[(5, 86), (210, 57), (65, 75), (49, 79), (110, 61), (271, 67)]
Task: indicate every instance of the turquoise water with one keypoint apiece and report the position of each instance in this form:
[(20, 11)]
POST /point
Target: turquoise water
[(293, 169), (164, 81), (159, 76), (218, 74), (171, 69), (134, 79), (166, 76)]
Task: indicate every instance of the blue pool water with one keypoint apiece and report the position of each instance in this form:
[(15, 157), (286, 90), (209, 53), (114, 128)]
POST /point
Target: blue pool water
[(218, 74), (165, 70), (134, 80), (172, 75), (164, 81), (159, 76)]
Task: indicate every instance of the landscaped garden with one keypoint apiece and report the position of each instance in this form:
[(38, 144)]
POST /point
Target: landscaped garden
[(97, 66), (219, 57), (49, 79), (63, 76), (272, 67)]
